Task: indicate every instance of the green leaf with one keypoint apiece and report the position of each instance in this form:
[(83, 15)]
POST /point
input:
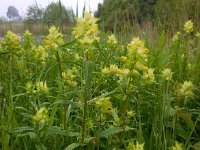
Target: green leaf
[(18, 95), (102, 96), (87, 140), (72, 146), (40, 147), (110, 131), (67, 102), (21, 129), (56, 131)]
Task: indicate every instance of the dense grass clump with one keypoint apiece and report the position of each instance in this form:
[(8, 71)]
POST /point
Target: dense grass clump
[(94, 93)]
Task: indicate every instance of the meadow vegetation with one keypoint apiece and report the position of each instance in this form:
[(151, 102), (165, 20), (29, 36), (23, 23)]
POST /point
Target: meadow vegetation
[(92, 92)]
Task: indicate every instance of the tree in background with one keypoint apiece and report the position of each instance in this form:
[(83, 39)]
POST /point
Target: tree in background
[(57, 14), (168, 15), (35, 13), (13, 14), (54, 14), (117, 13)]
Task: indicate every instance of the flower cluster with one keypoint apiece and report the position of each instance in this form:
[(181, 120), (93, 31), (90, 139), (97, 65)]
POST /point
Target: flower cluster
[(176, 36), (113, 69), (41, 53), (28, 39), (188, 27), (167, 74), (136, 59), (134, 63), (112, 40), (41, 117), (137, 146), (86, 29), (30, 88), (42, 87), (54, 39), (177, 146), (11, 42), (186, 89), (69, 77), (104, 105), (148, 76)]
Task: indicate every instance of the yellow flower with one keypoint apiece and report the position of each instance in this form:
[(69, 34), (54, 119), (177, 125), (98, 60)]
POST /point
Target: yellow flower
[(41, 116), (69, 77), (130, 114), (112, 39), (134, 45), (187, 89), (177, 146), (11, 42), (113, 68), (124, 72), (137, 146), (176, 37), (41, 53), (167, 74), (148, 76), (86, 29), (104, 104), (54, 39), (30, 88), (123, 58), (188, 27), (42, 86), (142, 52), (105, 71)]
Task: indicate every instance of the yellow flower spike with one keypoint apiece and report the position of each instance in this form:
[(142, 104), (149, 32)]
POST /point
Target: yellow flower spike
[(105, 105), (176, 37), (11, 42), (135, 44), (30, 88), (120, 71), (130, 114), (41, 117), (177, 146), (137, 146), (86, 29), (69, 77), (42, 87), (186, 89), (105, 71), (113, 68), (167, 74), (41, 53), (54, 39), (145, 69), (188, 27), (123, 72), (123, 58), (112, 39), (148, 76)]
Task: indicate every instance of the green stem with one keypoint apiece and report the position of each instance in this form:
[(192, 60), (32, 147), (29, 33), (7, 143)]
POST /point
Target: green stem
[(188, 139)]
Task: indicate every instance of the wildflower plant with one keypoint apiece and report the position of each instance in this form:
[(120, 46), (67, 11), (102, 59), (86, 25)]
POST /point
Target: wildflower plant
[(86, 29), (188, 27)]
